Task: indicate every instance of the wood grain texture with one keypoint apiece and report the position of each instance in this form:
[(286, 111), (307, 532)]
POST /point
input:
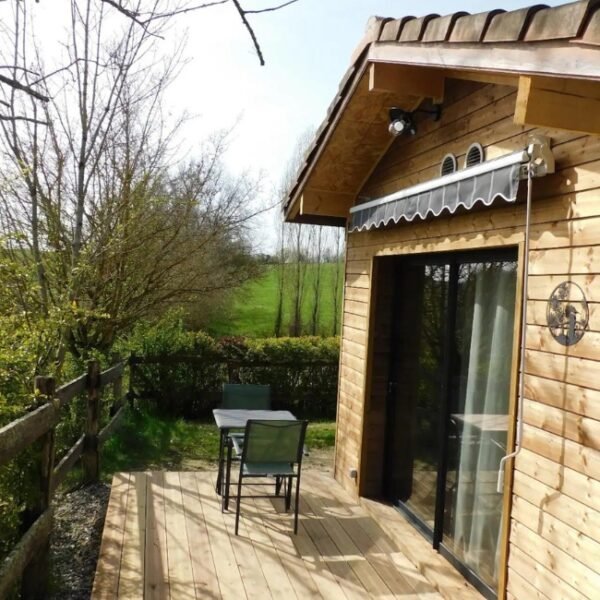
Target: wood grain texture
[(560, 463), (180, 545)]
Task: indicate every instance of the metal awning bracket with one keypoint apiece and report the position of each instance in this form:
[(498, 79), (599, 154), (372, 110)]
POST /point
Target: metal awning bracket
[(541, 158)]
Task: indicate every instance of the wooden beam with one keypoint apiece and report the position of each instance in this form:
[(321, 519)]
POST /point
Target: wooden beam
[(407, 81), (483, 77), (561, 105), (325, 203)]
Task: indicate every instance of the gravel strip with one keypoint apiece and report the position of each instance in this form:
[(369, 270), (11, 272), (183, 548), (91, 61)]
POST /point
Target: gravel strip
[(75, 541)]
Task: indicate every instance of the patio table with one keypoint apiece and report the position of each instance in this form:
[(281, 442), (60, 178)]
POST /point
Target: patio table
[(236, 418)]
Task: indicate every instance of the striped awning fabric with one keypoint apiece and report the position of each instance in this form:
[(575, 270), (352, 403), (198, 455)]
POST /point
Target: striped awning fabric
[(484, 183)]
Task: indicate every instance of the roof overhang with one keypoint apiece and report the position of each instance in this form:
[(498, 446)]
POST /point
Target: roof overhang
[(558, 82)]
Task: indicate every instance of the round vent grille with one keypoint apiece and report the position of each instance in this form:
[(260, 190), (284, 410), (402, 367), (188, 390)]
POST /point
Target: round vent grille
[(448, 165), (474, 155)]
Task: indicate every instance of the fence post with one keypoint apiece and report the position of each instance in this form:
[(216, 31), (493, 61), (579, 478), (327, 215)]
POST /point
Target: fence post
[(35, 576), (117, 387), (90, 458)]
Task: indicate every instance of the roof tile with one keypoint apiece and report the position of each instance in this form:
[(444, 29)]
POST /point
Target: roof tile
[(592, 31), (438, 30), (472, 28), (391, 30), (558, 22), (511, 26), (413, 30), (373, 29)]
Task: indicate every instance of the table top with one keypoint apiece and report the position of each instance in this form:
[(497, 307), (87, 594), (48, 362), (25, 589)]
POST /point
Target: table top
[(230, 418), (484, 422)]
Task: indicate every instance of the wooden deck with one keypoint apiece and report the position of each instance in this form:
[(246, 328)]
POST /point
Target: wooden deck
[(166, 537)]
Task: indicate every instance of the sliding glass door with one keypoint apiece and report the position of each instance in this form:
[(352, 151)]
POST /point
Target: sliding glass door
[(448, 401)]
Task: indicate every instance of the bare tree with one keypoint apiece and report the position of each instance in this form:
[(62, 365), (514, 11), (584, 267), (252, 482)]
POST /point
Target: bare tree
[(337, 278), (281, 273), (317, 258), (88, 192)]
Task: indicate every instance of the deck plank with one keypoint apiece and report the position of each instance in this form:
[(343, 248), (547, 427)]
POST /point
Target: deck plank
[(376, 546), (338, 564), (131, 578), (246, 557), (364, 571), (203, 566), (181, 577), (106, 580), (280, 531), (165, 538), (157, 571), (273, 569), (228, 573)]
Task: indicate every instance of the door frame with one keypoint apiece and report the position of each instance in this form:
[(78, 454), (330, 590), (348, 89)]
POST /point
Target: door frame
[(515, 253)]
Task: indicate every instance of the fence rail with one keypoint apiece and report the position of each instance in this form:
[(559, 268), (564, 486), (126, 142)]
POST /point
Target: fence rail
[(28, 560)]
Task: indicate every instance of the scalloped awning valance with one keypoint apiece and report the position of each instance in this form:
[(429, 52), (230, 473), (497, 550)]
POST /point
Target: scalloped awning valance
[(483, 183)]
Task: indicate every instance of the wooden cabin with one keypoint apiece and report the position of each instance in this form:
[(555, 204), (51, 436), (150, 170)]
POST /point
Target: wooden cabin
[(462, 154)]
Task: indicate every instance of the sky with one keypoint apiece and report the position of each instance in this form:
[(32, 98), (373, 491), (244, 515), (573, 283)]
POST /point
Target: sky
[(307, 48)]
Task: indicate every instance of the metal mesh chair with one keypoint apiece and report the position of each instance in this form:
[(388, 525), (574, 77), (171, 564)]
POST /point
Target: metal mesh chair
[(241, 396), (272, 449), (252, 397)]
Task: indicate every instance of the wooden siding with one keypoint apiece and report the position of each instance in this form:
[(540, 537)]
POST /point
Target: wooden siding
[(554, 541)]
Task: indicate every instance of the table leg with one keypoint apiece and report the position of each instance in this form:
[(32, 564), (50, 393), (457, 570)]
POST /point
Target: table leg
[(223, 437)]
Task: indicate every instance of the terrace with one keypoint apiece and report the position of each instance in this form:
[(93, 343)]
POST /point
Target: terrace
[(165, 536)]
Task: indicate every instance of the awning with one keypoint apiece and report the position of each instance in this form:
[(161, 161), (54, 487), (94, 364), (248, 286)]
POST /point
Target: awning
[(484, 183)]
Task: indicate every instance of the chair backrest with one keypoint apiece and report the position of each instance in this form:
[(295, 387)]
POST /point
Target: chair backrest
[(251, 397), (274, 441)]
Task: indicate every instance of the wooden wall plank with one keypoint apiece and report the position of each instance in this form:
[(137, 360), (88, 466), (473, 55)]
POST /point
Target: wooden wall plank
[(558, 472), (576, 485)]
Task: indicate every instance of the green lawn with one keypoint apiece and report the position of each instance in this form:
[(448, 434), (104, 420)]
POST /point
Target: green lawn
[(254, 309), (146, 441)]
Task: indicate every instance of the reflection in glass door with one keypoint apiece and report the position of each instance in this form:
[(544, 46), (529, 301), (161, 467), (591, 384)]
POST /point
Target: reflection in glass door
[(478, 423), (414, 457), (448, 402)]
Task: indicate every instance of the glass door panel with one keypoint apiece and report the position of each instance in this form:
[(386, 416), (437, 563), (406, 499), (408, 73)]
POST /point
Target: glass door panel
[(478, 413), (414, 457), (447, 418)]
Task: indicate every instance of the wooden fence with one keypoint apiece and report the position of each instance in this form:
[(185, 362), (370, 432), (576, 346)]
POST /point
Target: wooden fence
[(28, 561), (306, 387)]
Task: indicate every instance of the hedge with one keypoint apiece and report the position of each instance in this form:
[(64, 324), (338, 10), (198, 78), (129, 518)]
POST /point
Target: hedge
[(181, 373)]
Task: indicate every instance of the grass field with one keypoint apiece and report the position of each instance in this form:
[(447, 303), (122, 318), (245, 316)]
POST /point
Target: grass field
[(254, 309), (147, 441)]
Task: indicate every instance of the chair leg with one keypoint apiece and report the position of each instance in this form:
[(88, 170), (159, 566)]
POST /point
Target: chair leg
[(288, 494), (225, 496), (239, 501), (278, 481), (297, 503)]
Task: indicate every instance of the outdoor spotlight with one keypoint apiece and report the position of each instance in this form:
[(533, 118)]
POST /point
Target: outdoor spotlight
[(401, 121)]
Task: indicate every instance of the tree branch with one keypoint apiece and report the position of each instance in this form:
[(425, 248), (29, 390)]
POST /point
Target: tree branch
[(18, 118), (134, 16), (182, 11), (271, 9), (13, 83), (247, 25)]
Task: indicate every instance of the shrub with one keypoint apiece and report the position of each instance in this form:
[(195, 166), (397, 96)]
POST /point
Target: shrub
[(182, 372)]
